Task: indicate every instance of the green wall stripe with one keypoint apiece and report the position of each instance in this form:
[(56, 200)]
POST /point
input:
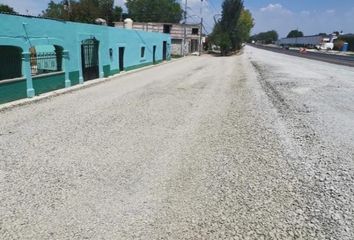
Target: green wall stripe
[(47, 83), (114, 72), (12, 91), (106, 70), (137, 66), (74, 78)]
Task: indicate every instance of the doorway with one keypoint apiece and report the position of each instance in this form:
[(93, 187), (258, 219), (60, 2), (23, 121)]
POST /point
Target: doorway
[(121, 58), (154, 54), (194, 46), (89, 58), (164, 51)]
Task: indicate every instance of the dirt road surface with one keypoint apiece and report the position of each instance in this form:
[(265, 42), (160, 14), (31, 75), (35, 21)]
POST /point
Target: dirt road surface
[(255, 146)]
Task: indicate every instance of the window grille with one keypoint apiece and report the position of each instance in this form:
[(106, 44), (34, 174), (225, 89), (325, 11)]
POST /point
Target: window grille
[(42, 63)]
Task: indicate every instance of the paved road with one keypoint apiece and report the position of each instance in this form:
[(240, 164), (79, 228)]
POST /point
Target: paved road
[(256, 146), (324, 57)]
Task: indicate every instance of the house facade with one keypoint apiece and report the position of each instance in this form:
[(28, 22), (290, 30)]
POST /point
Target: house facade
[(176, 32), (40, 55)]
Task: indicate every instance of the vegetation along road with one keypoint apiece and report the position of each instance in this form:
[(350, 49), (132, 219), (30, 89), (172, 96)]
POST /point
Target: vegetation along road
[(254, 146)]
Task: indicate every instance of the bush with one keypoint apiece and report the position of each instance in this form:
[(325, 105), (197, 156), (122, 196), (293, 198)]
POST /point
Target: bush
[(349, 39), (338, 44)]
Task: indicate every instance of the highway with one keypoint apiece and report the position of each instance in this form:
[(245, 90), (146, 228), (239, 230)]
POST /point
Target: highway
[(329, 58)]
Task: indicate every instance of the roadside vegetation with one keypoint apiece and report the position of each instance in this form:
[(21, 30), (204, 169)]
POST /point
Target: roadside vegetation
[(169, 11), (265, 37), (295, 34), (87, 11), (7, 9), (84, 11), (234, 27), (349, 38)]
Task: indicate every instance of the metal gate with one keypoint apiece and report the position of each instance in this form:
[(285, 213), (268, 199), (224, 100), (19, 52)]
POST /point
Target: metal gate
[(89, 56)]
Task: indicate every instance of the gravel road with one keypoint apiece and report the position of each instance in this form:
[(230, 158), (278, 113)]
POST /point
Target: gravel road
[(255, 146)]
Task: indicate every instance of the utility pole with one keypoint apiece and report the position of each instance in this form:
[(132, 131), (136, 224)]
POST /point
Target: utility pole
[(185, 29), (67, 7), (201, 29)]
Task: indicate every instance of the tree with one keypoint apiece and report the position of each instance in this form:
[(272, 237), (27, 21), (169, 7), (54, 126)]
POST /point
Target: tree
[(117, 14), (221, 38), (55, 10), (106, 8), (244, 26), (7, 9), (231, 12), (265, 37), (154, 10), (234, 27), (295, 33), (85, 11)]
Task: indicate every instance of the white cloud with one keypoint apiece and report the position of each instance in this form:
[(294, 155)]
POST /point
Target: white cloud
[(305, 13), (275, 8), (272, 7)]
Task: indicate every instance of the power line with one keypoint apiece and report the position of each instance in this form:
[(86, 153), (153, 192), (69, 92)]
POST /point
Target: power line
[(212, 5)]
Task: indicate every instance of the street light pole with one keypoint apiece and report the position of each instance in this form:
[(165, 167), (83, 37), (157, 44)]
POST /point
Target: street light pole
[(185, 29), (201, 29), (67, 7)]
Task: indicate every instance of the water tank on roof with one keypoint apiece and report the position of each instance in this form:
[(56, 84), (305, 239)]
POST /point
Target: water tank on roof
[(101, 21), (128, 23)]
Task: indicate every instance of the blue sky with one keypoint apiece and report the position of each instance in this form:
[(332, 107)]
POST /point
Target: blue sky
[(309, 16)]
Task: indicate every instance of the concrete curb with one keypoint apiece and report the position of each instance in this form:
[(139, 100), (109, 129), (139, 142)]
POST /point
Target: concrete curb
[(91, 83)]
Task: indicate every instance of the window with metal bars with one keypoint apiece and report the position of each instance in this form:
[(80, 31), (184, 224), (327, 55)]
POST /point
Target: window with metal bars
[(43, 62)]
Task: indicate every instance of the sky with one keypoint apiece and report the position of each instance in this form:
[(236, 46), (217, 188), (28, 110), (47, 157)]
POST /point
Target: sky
[(309, 16)]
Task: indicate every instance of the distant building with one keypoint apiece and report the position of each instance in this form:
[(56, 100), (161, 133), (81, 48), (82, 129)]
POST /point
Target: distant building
[(175, 30)]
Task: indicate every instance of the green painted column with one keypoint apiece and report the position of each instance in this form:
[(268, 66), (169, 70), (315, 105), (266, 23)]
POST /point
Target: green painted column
[(66, 68), (27, 73)]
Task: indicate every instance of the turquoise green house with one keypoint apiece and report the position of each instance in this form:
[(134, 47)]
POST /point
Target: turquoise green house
[(40, 55)]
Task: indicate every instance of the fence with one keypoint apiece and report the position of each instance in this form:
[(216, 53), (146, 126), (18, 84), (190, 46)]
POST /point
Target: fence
[(42, 63)]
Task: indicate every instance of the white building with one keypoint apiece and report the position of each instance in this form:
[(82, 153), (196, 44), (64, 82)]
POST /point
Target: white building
[(175, 30)]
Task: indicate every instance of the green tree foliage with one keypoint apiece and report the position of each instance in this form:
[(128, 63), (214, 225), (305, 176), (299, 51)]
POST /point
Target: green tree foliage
[(349, 38), (231, 12), (295, 33), (85, 11), (234, 27), (221, 38), (7, 9), (109, 12), (265, 37), (55, 10), (154, 10), (117, 14), (244, 26)]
